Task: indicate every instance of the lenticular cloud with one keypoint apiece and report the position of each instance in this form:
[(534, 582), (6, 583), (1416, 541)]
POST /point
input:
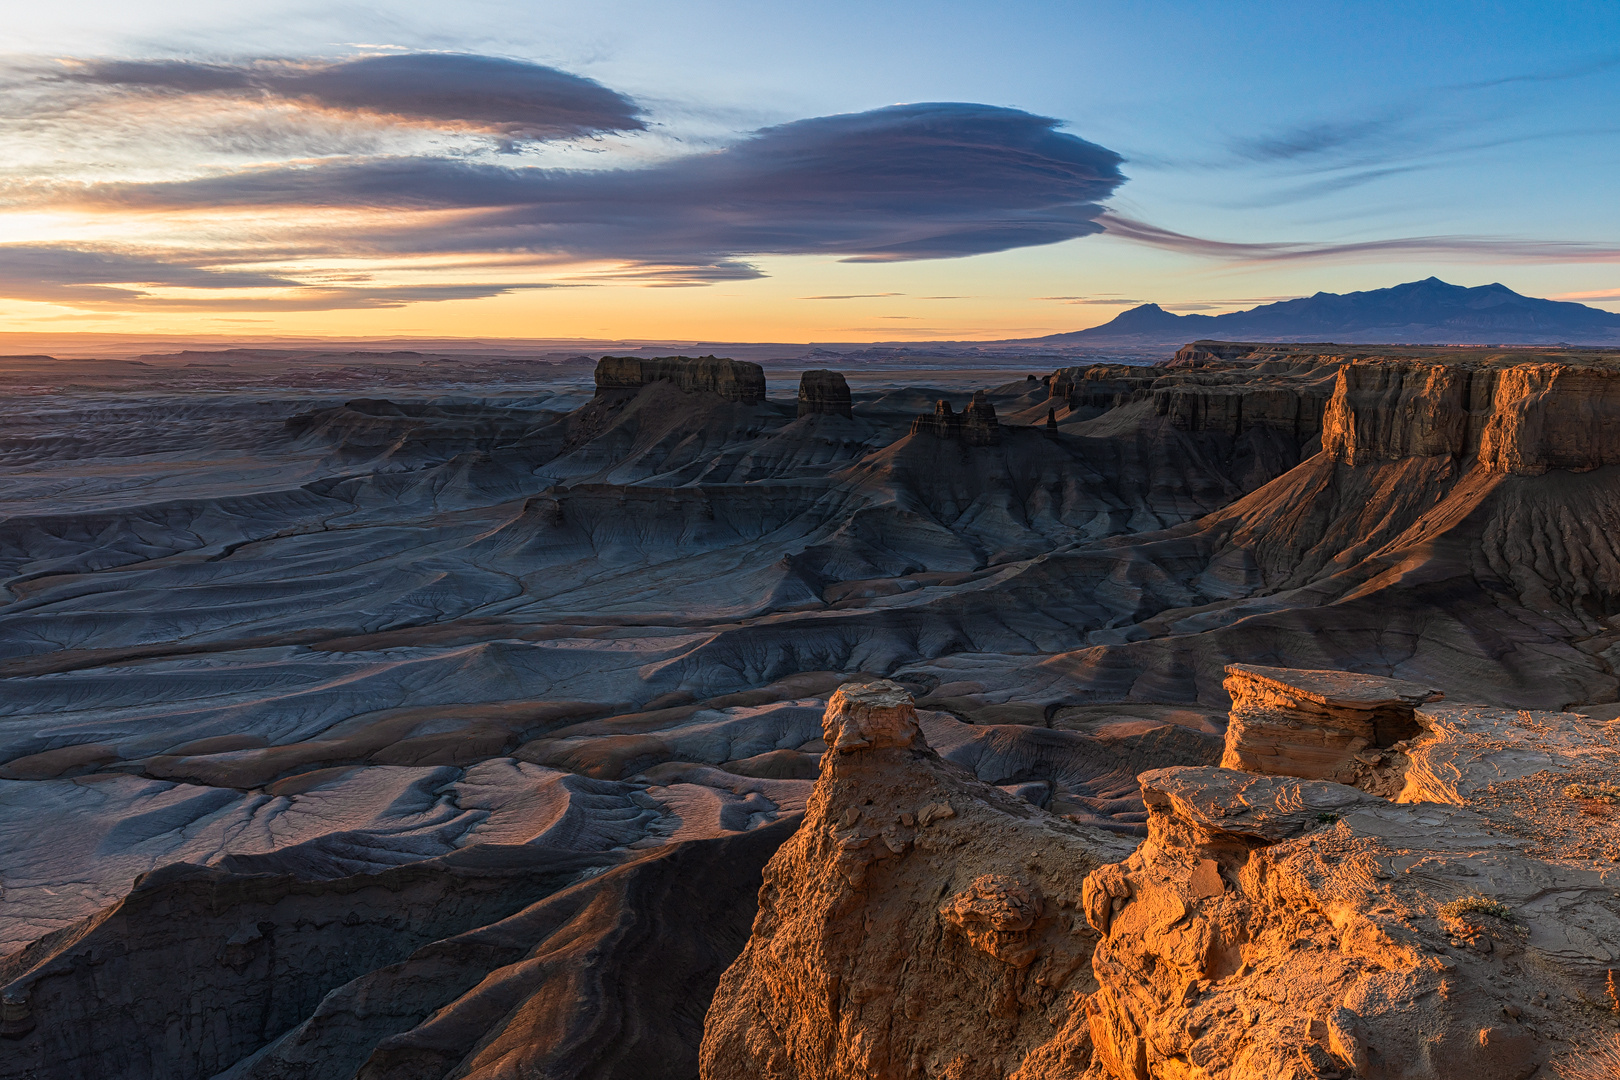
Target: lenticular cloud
[(908, 182), (512, 98)]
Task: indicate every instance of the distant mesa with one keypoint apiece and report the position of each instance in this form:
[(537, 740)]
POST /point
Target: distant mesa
[(734, 380), (1419, 312), (975, 425), (824, 393)]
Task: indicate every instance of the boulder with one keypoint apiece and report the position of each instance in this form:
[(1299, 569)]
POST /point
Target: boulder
[(1321, 724)]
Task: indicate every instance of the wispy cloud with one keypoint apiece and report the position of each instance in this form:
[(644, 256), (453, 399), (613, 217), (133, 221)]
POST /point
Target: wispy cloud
[(1315, 140), (90, 278), (1468, 247), (853, 296)]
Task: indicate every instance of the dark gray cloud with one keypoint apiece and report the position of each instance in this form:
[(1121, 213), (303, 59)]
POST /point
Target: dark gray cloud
[(62, 274), (512, 98), (90, 278), (1316, 140), (921, 181)]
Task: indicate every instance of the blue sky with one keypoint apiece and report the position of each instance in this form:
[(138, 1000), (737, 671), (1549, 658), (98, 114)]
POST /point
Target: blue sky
[(1268, 150)]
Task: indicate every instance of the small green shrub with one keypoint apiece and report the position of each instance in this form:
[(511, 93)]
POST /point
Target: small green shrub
[(1327, 819), (1476, 905), (1606, 792)]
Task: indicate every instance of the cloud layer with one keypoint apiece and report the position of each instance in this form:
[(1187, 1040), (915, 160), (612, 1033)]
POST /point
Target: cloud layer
[(925, 181), (908, 182), (512, 98)]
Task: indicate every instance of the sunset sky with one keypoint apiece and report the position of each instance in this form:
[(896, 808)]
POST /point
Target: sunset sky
[(788, 172)]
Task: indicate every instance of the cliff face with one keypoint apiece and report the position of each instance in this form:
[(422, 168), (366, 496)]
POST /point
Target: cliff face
[(1523, 419), (1219, 396), (734, 380), (919, 923), (823, 392)]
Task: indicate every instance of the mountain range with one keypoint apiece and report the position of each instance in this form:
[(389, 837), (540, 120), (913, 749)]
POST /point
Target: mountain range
[(1430, 312)]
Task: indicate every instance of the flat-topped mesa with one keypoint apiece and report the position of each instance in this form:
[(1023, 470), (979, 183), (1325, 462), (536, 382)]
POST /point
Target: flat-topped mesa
[(734, 380), (1523, 418), (1321, 725), (824, 393), (975, 425)]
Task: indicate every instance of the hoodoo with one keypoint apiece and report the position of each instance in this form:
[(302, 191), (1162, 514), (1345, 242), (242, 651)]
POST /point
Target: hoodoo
[(975, 425), (919, 923)]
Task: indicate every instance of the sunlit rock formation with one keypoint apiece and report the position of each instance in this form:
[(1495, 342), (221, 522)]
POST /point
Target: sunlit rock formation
[(823, 393), (1276, 927), (919, 923), (1322, 725), (1523, 418)]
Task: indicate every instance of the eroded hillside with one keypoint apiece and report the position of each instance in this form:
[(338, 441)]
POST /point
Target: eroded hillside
[(282, 673)]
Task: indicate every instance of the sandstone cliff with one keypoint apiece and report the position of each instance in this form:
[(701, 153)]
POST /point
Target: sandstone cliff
[(1522, 418), (920, 923), (734, 380), (1277, 928)]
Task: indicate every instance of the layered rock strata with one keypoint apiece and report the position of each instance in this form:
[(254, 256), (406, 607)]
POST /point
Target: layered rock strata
[(920, 923), (1523, 418), (976, 425), (734, 380), (1322, 725), (824, 393), (1288, 394)]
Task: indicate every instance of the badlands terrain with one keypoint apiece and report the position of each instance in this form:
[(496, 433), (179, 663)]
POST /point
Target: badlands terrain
[(400, 715)]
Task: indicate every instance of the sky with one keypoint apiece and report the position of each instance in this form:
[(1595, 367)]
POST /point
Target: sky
[(795, 172)]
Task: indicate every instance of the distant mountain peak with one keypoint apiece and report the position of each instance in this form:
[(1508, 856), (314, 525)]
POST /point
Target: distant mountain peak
[(1430, 311)]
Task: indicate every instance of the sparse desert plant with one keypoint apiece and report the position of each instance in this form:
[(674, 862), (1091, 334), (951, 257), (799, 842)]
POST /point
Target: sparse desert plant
[(1464, 906), (1604, 792), (1327, 819), (1599, 1062)]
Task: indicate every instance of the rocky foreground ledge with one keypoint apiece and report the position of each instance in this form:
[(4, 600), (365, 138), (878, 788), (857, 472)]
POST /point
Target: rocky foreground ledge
[(1449, 913)]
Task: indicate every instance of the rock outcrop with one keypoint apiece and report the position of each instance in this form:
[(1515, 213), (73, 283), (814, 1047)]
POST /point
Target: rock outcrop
[(1226, 397), (1522, 418), (1322, 725), (920, 923), (1280, 928), (976, 425), (824, 393), (734, 380)]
